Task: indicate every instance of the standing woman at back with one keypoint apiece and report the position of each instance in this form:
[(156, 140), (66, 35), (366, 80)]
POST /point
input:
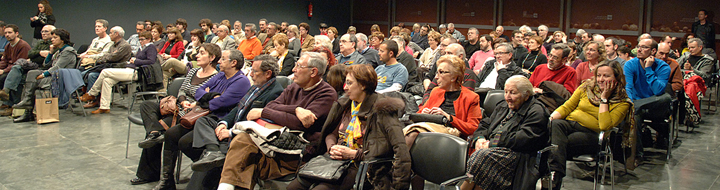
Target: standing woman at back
[(43, 17)]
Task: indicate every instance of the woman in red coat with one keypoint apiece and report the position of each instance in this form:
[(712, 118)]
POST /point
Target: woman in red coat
[(174, 45)]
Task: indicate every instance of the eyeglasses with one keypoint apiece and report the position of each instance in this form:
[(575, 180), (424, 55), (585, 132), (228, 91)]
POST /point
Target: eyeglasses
[(443, 72), (301, 66), (142, 39), (643, 47), (45, 31), (501, 53)]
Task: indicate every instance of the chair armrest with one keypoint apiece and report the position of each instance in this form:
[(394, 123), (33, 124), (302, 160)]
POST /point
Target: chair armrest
[(454, 181), (362, 171), (150, 93)]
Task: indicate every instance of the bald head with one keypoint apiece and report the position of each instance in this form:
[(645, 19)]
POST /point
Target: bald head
[(663, 51), (46, 32), (456, 50)]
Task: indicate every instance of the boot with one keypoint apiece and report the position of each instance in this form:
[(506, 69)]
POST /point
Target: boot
[(28, 97), (28, 116), (167, 179), (4, 96)]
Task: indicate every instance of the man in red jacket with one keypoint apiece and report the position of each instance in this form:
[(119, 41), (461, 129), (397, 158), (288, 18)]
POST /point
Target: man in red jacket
[(555, 70)]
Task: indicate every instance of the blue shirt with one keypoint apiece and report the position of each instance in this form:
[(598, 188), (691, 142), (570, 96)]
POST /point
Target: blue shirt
[(3, 42), (645, 82), (388, 75)]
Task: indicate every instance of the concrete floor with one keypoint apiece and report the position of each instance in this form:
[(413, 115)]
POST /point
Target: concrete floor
[(89, 153)]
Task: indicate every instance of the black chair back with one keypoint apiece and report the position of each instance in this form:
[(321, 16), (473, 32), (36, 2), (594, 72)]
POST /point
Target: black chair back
[(83, 48), (491, 100), (439, 157), (283, 80), (174, 87)]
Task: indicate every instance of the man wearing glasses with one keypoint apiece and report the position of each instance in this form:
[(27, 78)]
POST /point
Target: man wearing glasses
[(495, 72), (133, 40), (348, 56), (10, 90)]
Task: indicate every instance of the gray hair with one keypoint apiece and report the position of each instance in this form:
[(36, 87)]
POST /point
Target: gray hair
[(317, 61), (459, 50), (543, 27), (565, 49), (349, 37), (507, 47), (140, 23), (51, 27), (119, 30), (696, 40), (237, 55), (361, 37), (475, 29), (400, 41), (580, 32), (525, 29), (324, 41), (269, 63), (223, 27), (252, 26), (522, 84), (441, 26), (644, 36), (451, 25)]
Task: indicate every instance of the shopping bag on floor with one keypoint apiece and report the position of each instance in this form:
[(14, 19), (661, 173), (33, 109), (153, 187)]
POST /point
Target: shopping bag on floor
[(47, 110)]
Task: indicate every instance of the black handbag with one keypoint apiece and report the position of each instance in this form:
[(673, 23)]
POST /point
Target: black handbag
[(324, 168)]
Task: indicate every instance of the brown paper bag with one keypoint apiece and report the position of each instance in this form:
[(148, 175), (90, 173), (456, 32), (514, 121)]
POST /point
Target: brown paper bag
[(47, 110)]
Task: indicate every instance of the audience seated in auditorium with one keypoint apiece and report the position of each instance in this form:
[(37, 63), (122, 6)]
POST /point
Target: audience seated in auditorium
[(10, 94), (223, 39), (483, 54), (371, 55), (500, 30), (206, 25), (696, 61), (133, 39), (469, 80), (430, 53), (218, 95), (157, 122), (307, 42), (676, 75), (348, 55), (267, 43), (594, 54), (556, 70), (597, 105), (100, 45), (157, 39), (332, 34), (497, 71), (262, 34), (517, 126), (406, 59), (530, 60), (471, 45), (211, 130), (181, 24), (252, 46), (611, 46), (238, 33), (647, 78), (455, 34), (421, 37), (375, 39), (286, 60), (294, 46), (170, 53), (64, 57), (557, 38), (304, 105), (191, 49), (392, 76), (363, 126), (412, 46), (121, 68)]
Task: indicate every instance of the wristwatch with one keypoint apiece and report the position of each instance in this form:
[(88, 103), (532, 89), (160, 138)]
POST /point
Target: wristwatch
[(603, 101)]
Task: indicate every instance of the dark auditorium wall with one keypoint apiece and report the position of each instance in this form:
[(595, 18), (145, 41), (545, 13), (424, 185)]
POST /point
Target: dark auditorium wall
[(78, 16)]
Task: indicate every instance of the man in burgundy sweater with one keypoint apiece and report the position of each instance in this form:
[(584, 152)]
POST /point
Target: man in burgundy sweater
[(555, 70), (14, 50), (304, 106)]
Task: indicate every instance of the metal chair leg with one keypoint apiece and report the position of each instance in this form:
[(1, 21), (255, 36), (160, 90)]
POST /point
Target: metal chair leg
[(127, 145), (178, 167)]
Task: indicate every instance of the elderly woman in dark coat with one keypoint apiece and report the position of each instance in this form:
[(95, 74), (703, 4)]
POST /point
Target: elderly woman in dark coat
[(518, 125), (363, 125)]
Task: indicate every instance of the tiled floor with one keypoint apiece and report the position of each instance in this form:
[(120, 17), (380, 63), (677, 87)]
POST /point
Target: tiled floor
[(89, 153)]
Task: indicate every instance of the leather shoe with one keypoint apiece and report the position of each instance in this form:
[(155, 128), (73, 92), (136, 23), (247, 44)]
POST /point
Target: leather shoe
[(92, 104), (86, 97), (152, 140), (4, 96), (209, 160), (138, 181), (99, 111)]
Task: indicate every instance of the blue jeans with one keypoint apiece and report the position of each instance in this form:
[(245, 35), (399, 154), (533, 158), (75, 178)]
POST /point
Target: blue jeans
[(14, 78), (92, 77)]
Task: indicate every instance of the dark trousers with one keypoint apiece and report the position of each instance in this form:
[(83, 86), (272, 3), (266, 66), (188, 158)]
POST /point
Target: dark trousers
[(180, 138), (150, 158), (345, 182), (572, 139), (656, 109), (204, 131)]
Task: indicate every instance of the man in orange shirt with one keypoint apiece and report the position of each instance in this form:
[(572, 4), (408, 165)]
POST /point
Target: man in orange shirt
[(252, 46)]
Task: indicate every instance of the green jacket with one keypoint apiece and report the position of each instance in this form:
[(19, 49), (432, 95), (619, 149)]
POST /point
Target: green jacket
[(34, 53)]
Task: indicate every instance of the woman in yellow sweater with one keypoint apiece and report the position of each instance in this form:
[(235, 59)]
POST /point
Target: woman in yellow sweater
[(598, 104)]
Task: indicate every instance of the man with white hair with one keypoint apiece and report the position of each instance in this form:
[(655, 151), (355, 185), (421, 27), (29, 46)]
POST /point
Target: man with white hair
[(222, 39), (370, 54), (500, 30), (496, 72), (543, 32), (117, 58), (598, 38), (348, 56), (696, 61), (455, 34), (442, 28)]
